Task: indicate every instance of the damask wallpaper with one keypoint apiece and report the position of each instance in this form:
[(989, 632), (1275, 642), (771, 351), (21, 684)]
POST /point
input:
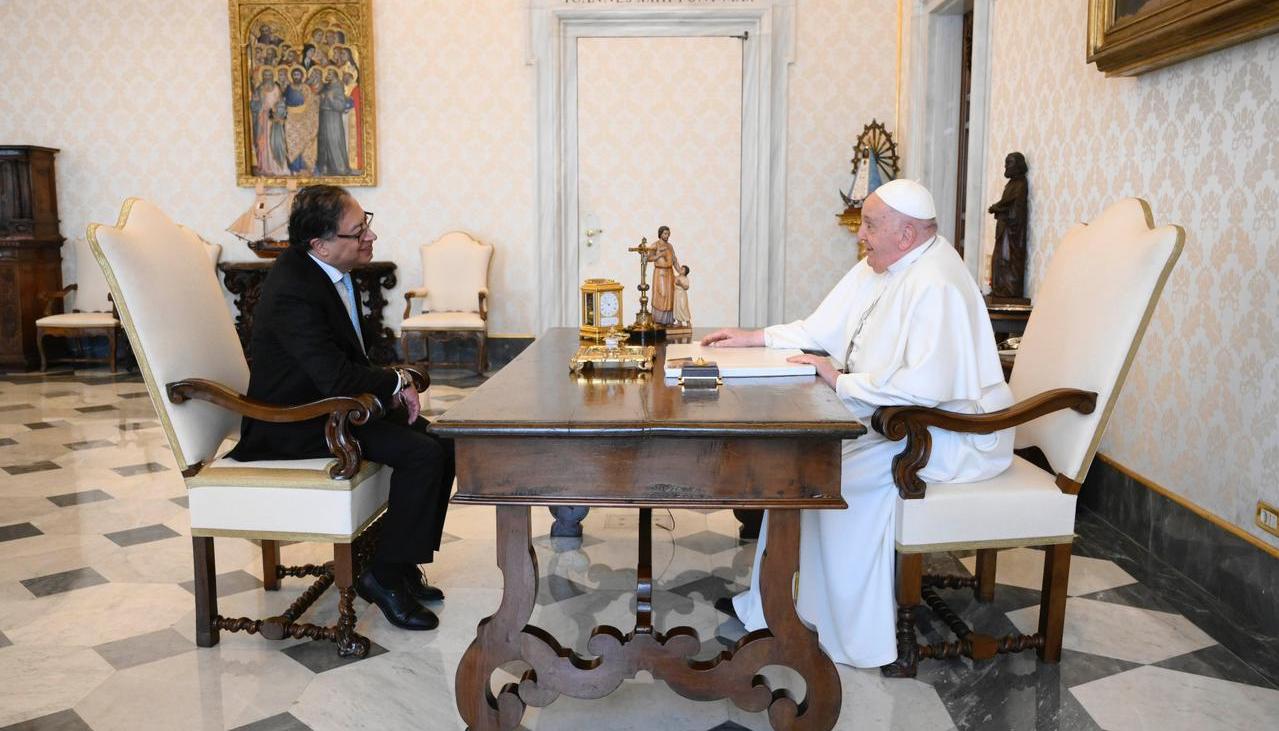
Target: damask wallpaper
[(1200, 142)]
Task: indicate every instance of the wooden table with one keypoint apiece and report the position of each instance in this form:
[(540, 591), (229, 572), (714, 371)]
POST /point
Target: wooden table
[(536, 435)]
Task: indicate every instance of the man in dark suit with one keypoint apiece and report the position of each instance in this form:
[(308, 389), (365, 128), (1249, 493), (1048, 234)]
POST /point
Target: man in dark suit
[(307, 345)]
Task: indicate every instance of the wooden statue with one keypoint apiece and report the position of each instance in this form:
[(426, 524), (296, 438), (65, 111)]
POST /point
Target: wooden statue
[(1008, 264), (665, 266)]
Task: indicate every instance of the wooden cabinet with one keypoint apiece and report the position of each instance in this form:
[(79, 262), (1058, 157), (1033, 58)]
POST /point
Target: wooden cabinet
[(30, 248)]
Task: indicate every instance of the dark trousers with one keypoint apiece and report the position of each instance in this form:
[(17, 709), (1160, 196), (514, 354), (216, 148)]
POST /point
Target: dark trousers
[(422, 470)]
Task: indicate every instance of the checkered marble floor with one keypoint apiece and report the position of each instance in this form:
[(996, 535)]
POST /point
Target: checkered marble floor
[(97, 617)]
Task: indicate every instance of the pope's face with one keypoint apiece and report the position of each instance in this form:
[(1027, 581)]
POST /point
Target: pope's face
[(881, 232), (343, 252)]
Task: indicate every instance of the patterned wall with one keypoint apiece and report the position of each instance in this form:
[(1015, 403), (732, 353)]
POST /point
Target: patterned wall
[(1200, 142)]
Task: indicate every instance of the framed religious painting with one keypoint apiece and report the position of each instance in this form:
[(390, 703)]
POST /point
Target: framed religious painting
[(1130, 37), (302, 82)]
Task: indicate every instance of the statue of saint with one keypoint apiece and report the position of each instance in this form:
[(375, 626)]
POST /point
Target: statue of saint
[(665, 264), (1008, 265)]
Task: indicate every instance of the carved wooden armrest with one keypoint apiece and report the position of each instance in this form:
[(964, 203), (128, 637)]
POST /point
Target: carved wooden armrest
[(912, 422), (343, 412), (410, 295), (49, 298), (484, 303)]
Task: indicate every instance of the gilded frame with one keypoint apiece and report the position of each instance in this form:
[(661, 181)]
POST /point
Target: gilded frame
[(318, 131), (1152, 34)]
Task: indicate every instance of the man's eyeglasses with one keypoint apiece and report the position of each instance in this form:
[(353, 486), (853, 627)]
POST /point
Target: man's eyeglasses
[(361, 231)]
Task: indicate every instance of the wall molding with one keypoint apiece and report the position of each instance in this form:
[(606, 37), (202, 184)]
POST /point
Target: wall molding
[(768, 51)]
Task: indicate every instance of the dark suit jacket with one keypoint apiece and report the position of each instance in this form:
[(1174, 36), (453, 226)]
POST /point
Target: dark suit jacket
[(304, 349)]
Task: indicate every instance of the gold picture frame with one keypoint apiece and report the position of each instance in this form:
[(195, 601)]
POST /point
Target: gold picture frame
[(1130, 37), (320, 125)]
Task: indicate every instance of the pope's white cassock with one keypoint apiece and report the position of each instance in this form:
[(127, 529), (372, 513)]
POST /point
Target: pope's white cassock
[(926, 340)]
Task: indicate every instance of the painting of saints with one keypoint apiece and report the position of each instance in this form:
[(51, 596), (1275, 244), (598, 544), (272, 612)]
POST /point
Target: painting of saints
[(331, 157)]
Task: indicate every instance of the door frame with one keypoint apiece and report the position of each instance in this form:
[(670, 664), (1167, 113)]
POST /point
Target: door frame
[(767, 52)]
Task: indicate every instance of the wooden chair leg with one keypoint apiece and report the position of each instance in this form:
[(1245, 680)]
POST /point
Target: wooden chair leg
[(270, 565), (482, 356), (986, 574), (350, 644), (111, 349), (910, 578), (44, 363), (206, 592), (1052, 601)]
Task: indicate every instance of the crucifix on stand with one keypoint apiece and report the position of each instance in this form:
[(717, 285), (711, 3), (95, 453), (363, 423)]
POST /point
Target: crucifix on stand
[(645, 331)]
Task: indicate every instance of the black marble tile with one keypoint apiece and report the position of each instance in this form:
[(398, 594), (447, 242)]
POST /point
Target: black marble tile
[(319, 656), (280, 722), (38, 425), (232, 582), (447, 537), (4, 641), (96, 409), (26, 469), (15, 407), (707, 588), (138, 469), (7, 442), (1134, 595), (136, 425), (79, 498), (1006, 692), (67, 720), (63, 581), (1217, 662), (18, 530), (182, 500), (556, 588), (134, 394), (89, 444), (708, 542), (142, 649), (145, 534)]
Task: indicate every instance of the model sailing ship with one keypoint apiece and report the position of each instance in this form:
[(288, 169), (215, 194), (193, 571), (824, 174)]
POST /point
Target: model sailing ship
[(265, 226)]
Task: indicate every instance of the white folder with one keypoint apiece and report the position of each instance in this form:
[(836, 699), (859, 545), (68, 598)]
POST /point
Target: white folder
[(737, 362)]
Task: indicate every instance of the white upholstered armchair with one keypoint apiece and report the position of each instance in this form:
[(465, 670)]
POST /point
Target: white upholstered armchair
[(454, 294), (1091, 311), (172, 307)]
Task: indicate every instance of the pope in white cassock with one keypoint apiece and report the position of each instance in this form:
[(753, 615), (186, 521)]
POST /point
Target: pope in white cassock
[(907, 325)]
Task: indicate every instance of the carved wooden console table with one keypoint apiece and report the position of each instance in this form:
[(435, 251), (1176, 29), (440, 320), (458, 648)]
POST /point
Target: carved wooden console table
[(534, 435), (244, 280)]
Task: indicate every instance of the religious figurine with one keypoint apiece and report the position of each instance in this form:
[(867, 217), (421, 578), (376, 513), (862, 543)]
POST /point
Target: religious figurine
[(665, 264), (1008, 264), (683, 317)]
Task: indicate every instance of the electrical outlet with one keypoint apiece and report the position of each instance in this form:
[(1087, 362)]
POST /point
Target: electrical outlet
[(1268, 517)]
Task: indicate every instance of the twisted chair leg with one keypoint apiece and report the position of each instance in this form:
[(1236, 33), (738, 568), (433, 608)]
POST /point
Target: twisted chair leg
[(910, 573)]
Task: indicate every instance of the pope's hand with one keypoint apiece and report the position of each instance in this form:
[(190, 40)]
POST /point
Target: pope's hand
[(408, 397), (825, 370), (732, 337)]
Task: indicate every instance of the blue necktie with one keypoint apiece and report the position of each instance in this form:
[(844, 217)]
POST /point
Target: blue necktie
[(350, 307)]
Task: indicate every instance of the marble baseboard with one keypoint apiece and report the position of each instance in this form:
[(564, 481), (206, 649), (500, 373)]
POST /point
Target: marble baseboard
[(1242, 575)]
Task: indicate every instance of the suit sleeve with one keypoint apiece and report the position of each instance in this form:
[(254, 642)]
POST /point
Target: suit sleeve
[(306, 335)]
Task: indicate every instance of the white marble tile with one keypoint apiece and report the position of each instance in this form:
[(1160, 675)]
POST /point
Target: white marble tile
[(108, 516), (96, 614), (1168, 700), (459, 614), (218, 688), (64, 553), (1114, 630), (397, 690), (1024, 567), (638, 705), (39, 680), (170, 560)]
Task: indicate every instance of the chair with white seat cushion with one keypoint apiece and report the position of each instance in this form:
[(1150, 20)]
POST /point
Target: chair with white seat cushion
[(455, 271), (1091, 311), (172, 307)]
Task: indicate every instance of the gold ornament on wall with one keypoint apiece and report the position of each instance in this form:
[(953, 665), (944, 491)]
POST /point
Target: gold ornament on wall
[(303, 92)]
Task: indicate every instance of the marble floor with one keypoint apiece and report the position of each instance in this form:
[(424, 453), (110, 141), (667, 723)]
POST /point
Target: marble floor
[(97, 617)]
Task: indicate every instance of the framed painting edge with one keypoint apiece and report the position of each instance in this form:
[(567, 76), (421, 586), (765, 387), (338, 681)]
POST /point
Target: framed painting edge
[(368, 88), (1175, 32)]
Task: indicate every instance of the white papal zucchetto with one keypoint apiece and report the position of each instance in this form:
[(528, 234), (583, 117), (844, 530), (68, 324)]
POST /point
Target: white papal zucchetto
[(908, 197)]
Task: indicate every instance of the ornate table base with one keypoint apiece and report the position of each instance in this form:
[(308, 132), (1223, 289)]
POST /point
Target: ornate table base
[(555, 670)]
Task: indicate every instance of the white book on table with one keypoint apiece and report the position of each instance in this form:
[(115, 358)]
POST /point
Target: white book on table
[(737, 362)]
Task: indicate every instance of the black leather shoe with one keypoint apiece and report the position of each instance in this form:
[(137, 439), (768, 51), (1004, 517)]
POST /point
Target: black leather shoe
[(400, 609), (725, 605), (420, 589)]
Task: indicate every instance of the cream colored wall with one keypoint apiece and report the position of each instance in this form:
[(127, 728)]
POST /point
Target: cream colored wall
[(137, 96), (1200, 142)]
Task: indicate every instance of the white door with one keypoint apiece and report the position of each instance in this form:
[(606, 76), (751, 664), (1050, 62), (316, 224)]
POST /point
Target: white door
[(659, 144)]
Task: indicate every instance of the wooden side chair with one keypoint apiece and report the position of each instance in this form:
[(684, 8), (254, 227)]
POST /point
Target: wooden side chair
[(455, 272), (172, 308), (80, 310), (1091, 312)]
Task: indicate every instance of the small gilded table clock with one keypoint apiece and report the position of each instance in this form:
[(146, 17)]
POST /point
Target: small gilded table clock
[(601, 307)]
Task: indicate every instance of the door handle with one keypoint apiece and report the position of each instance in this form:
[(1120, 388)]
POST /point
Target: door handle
[(591, 233)]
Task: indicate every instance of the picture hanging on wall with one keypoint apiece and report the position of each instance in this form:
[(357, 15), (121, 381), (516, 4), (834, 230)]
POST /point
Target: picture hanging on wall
[(1130, 37), (303, 94)]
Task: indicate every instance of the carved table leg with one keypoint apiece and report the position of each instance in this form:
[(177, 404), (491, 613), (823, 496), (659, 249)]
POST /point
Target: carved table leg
[(498, 638), (795, 645)]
